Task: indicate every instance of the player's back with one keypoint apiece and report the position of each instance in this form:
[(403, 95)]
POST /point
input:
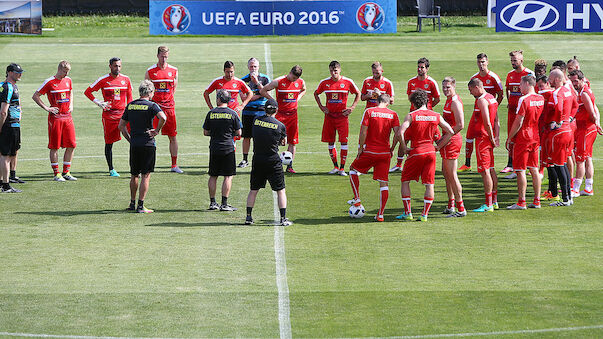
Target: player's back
[(531, 107), (380, 122), (582, 116), (423, 130), (563, 103), (477, 116)]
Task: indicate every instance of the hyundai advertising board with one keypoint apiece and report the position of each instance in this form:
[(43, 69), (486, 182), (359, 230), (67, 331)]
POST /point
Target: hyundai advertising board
[(549, 15), (271, 17)]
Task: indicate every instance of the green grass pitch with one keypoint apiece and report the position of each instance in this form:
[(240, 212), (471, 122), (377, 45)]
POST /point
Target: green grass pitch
[(73, 262)]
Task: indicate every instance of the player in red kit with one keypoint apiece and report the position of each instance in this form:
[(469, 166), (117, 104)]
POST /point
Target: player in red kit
[(420, 127), (513, 94), (560, 137), (493, 86), (233, 85), (336, 89), (588, 123), (453, 115), (117, 92), (374, 150), (373, 86), (524, 134), (165, 79), (485, 120), (61, 132), (289, 89), (425, 83)]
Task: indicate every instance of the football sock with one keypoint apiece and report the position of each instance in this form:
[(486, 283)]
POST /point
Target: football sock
[(383, 199), (563, 181), (577, 184), (536, 200), (245, 155), (212, 200), (468, 152), (427, 201), (521, 202), (109, 155), (5, 185), (13, 174), (494, 196), (552, 173), (450, 203), (66, 166), (140, 203), (588, 185), (224, 200), (174, 161), (406, 202), (355, 183), (249, 209), (283, 212), (132, 204), (399, 161), (344, 156), (489, 199), (460, 206), (510, 159), (55, 168), (333, 154)]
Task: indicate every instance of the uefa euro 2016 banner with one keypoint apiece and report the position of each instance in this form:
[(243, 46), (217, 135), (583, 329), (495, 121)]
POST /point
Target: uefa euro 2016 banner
[(271, 17), (549, 15)]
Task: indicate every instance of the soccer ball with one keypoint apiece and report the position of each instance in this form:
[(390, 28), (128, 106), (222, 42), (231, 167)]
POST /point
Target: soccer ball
[(356, 212), (286, 158)]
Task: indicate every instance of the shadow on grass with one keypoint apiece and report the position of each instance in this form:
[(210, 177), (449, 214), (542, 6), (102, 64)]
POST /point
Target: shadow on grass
[(72, 213), (258, 223)]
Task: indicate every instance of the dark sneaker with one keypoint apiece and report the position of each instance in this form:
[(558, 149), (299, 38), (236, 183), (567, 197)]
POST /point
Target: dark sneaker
[(142, 209), (243, 164), (16, 180), (227, 207), (213, 206), (132, 207), (11, 189), (286, 222), (249, 220)]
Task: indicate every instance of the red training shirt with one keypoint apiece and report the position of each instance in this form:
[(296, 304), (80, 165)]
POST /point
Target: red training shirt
[(380, 122), (337, 94)]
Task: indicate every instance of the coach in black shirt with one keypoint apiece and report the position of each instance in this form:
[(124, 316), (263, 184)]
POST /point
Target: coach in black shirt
[(268, 134), (221, 124), (140, 114)]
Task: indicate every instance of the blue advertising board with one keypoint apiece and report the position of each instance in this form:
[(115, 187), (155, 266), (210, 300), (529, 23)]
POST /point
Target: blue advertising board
[(271, 17), (549, 15)]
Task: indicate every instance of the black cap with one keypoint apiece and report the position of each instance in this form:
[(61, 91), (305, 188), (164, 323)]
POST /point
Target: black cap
[(14, 68), (270, 106)]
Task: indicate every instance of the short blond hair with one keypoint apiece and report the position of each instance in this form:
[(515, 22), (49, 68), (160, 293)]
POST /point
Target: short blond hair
[(64, 64), (450, 79), (518, 52), (162, 49), (146, 88)]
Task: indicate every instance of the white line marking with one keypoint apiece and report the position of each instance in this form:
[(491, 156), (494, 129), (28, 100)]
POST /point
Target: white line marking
[(284, 320), (469, 334)]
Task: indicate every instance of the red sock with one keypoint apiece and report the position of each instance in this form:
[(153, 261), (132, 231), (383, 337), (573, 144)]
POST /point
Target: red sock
[(333, 154), (536, 200), (344, 155), (460, 206), (427, 205), (489, 199), (174, 161), (383, 199), (55, 168), (406, 202), (66, 167), (355, 182), (399, 162), (468, 150), (450, 203), (521, 202), (494, 196)]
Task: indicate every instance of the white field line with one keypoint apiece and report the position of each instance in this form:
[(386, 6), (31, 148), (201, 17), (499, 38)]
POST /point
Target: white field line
[(284, 320), (447, 335)]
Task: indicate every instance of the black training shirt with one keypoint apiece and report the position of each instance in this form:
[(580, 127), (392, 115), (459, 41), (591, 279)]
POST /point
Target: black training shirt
[(222, 122), (140, 114), (267, 136)]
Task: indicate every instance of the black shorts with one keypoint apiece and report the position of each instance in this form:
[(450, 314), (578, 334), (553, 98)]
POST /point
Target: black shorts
[(247, 126), (222, 164), (267, 170), (10, 141), (142, 159)]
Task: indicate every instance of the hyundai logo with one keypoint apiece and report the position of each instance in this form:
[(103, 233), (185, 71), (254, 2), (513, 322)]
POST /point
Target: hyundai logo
[(529, 15)]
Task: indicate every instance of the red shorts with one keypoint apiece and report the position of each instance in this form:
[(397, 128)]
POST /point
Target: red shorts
[(525, 156), (332, 125), (470, 133), (452, 150), (560, 145), (291, 126), (61, 133), (544, 147), (420, 165), (169, 128), (484, 152), (585, 139), (511, 113), (380, 162)]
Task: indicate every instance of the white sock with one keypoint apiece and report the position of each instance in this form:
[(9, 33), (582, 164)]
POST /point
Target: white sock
[(577, 184), (588, 185)]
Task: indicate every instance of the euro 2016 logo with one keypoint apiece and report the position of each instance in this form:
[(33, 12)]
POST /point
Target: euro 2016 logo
[(370, 16), (176, 18)]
